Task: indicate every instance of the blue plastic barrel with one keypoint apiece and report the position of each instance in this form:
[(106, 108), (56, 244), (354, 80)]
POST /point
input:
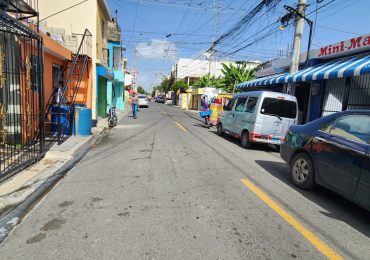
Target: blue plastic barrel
[(63, 119), (82, 124), (80, 106)]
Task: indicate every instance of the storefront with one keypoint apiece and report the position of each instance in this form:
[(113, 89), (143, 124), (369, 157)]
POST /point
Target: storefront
[(338, 79), (103, 75)]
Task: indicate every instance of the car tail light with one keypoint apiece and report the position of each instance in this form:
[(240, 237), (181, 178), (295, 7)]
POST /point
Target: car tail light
[(254, 136)]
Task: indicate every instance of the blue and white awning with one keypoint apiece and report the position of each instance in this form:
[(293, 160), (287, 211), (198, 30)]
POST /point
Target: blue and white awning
[(341, 68), (265, 81)]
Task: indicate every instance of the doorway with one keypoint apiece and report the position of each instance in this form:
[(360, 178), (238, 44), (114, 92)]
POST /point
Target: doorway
[(102, 97), (302, 93)]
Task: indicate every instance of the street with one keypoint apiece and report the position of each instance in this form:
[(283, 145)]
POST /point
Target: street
[(163, 186)]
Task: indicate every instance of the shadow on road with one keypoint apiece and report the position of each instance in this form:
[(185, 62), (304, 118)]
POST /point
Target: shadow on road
[(202, 125), (257, 147), (336, 206)]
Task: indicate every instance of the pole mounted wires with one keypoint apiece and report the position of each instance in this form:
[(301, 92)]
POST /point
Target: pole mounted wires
[(244, 22)]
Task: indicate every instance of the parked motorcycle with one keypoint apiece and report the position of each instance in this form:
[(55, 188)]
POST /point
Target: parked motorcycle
[(112, 117)]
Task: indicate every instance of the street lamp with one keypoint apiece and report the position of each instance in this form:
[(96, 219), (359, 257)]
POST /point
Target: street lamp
[(285, 22)]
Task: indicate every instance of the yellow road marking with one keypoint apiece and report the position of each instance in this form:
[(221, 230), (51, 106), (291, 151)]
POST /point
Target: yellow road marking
[(181, 127), (315, 240)]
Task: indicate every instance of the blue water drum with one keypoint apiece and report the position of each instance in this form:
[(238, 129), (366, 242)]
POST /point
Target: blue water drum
[(63, 119), (83, 118)]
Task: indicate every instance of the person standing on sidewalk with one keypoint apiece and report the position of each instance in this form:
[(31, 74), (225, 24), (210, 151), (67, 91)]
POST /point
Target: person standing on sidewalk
[(134, 104)]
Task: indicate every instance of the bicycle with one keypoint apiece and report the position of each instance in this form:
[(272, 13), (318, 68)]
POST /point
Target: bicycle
[(206, 115)]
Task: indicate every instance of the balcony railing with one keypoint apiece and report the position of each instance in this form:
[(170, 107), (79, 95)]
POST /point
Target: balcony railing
[(23, 8), (86, 47)]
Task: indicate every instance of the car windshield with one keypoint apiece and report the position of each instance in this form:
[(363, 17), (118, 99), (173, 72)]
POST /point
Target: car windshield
[(279, 107), (142, 96)]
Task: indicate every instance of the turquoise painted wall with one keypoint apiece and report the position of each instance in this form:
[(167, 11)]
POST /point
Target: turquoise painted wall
[(118, 99), (115, 86)]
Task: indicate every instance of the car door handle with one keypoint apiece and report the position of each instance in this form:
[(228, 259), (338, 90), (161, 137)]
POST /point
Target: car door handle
[(320, 139)]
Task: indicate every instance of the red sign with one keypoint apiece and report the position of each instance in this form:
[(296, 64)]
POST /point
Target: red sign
[(353, 45)]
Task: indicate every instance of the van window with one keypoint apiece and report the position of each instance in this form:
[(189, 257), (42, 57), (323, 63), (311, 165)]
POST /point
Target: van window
[(240, 104), (279, 107), (251, 104), (230, 105)]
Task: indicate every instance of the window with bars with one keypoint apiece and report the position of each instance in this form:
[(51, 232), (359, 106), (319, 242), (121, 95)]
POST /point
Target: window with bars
[(117, 60)]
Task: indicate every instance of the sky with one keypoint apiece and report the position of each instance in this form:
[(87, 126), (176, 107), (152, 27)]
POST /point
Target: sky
[(158, 32)]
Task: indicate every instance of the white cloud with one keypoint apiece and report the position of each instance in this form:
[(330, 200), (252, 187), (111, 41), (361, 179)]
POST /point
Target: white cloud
[(157, 49)]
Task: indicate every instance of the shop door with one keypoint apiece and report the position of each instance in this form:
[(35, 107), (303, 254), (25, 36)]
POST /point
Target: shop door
[(359, 94), (102, 97), (302, 93), (333, 96), (315, 101)]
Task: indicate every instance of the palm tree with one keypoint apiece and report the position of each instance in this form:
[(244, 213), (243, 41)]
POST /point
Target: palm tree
[(209, 81), (234, 75)]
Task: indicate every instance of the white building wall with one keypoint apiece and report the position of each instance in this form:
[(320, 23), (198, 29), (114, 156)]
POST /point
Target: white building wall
[(200, 68)]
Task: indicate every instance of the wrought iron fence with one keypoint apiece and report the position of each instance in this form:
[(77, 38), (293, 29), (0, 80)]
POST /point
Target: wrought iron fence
[(21, 96)]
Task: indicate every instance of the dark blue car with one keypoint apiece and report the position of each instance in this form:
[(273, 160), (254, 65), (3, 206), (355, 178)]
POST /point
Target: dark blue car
[(333, 151)]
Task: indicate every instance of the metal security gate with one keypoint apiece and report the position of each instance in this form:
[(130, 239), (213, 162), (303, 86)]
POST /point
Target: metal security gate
[(359, 94), (21, 96), (333, 96), (346, 94)]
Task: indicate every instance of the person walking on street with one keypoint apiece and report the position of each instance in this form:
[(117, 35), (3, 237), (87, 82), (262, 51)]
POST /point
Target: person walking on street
[(134, 104)]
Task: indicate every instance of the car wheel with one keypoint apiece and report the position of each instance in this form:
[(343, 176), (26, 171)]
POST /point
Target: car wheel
[(302, 171), (244, 139), (220, 129)]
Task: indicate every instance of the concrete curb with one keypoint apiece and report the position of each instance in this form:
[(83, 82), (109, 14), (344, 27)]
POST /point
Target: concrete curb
[(13, 217)]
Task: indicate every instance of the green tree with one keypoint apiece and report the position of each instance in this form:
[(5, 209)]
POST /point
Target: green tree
[(180, 85), (153, 91), (209, 81), (235, 74), (141, 90), (164, 86)]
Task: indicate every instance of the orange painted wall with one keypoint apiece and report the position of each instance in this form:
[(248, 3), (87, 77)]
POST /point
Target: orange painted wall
[(57, 54), (85, 89), (49, 60)]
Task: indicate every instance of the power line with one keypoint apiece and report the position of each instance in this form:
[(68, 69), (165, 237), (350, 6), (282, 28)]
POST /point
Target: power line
[(244, 21), (61, 11), (270, 33), (137, 7), (199, 6), (337, 30)]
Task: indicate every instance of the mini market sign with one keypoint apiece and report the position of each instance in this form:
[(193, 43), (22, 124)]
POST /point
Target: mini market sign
[(356, 44), (349, 47)]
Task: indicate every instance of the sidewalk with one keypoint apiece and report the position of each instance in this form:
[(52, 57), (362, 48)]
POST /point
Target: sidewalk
[(21, 191)]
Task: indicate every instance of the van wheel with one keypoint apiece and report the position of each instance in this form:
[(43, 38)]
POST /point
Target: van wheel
[(302, 171), (244, 139), (220, 129)]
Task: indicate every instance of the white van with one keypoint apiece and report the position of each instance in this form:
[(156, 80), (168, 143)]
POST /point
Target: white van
[(259, 117)]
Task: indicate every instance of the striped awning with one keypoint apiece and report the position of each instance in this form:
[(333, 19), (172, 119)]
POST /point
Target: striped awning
[(340, 68)]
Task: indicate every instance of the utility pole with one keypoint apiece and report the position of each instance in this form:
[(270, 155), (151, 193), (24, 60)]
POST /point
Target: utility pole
[(134, 71), (298, 34)]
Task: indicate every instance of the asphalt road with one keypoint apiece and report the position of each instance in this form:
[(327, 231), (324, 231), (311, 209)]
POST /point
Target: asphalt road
[(165, 187)]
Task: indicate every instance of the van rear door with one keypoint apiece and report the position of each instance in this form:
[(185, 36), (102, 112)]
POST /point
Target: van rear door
[(277, 115)]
